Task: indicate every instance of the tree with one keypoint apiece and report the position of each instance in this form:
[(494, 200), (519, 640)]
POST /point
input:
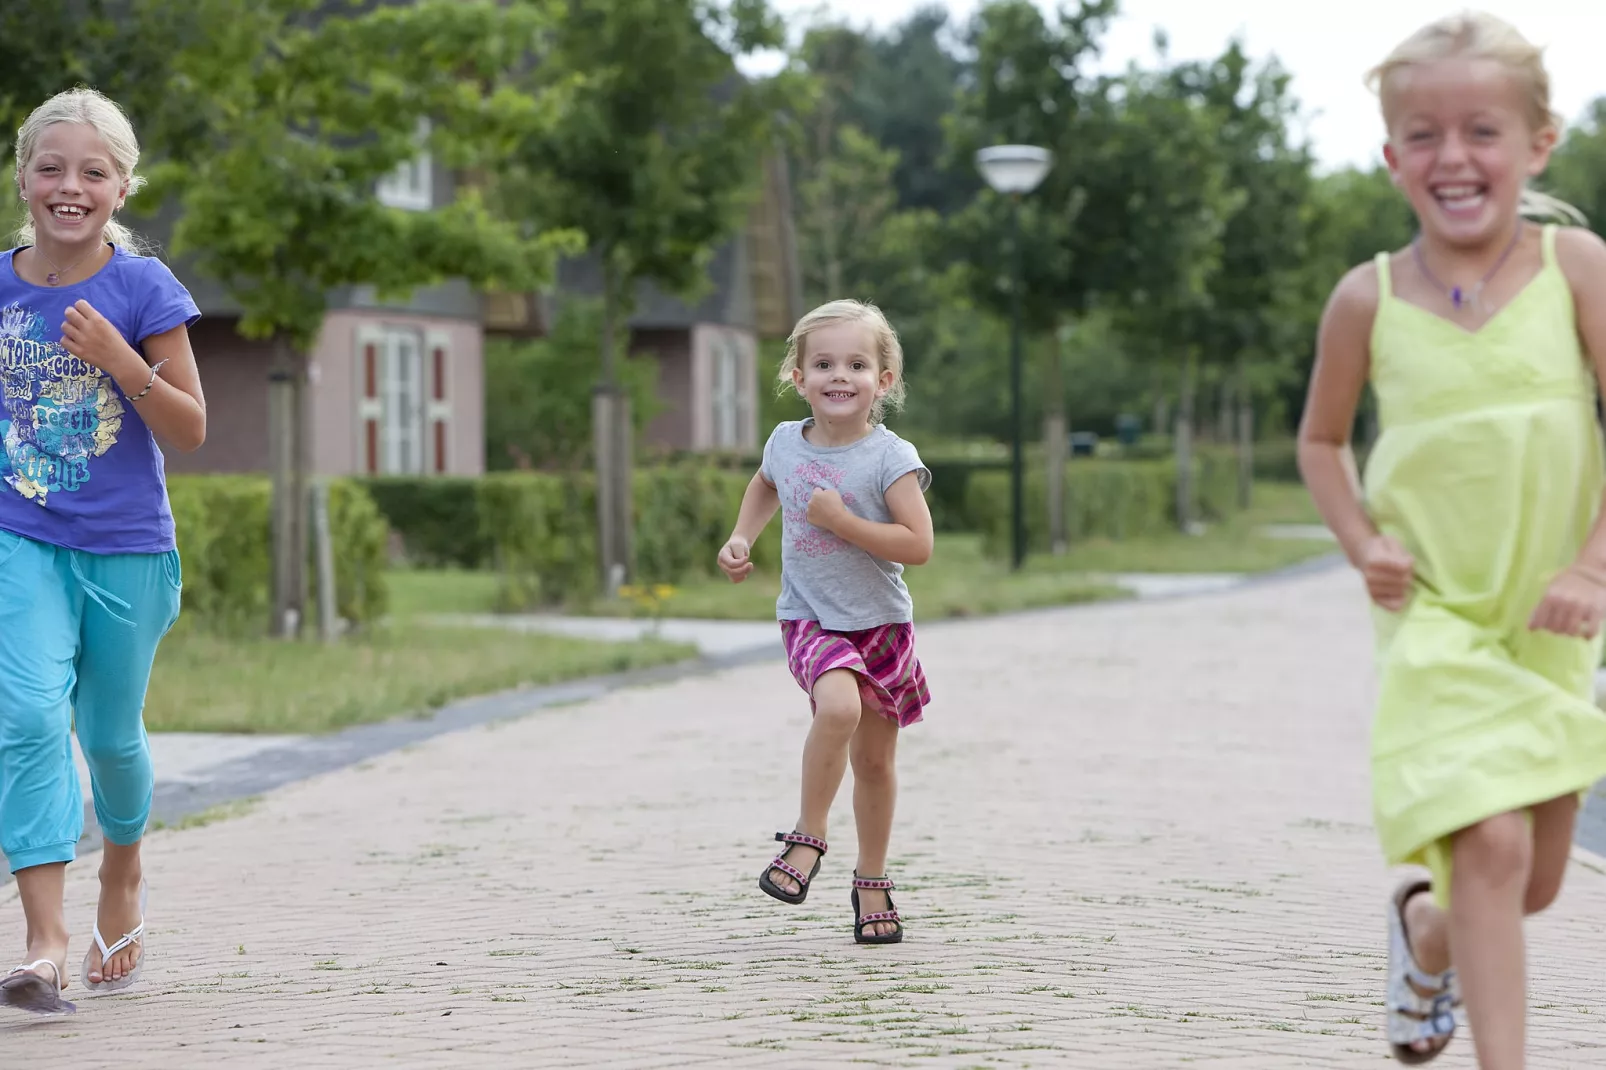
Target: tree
[(538, 392), (1027, 86), (1247, 329), (1167, 147), (652, 161), (304, 112), (1578, 169), (124, 49)]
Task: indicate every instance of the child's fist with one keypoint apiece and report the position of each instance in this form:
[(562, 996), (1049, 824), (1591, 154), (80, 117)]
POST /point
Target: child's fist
[(1573, 604), (1389, 570), (825, 508), (735, 559)]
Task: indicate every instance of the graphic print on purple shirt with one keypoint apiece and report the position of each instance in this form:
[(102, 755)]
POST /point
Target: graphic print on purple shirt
[(59, 411), (79, 468), (800, 486)]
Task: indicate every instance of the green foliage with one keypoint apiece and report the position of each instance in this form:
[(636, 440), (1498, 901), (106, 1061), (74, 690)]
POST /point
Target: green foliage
[(657, 147), (302, 110), (437, 518), (543, 529), (224, 540), (1578, 169), (1114, 499), (538, 393)]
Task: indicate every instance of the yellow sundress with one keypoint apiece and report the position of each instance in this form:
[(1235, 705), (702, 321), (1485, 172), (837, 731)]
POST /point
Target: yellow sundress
[(1489, 471)]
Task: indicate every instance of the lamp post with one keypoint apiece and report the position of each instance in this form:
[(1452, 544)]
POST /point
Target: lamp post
[(1015, 170)]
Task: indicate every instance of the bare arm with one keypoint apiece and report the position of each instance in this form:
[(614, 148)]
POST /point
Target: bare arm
[(906, 540), (1343, 361), (1582, 257), (175, 409), (759, 502)]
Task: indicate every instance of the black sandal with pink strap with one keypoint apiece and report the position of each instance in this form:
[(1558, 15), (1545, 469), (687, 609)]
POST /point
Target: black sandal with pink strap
[(792, 839), (881, 884)]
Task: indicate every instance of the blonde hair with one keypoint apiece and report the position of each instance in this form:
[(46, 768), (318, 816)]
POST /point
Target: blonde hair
[(101, 113), (889, 353), (1480, 35)]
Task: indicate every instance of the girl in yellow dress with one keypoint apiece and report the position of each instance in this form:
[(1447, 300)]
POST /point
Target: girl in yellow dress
[(1478, 526)]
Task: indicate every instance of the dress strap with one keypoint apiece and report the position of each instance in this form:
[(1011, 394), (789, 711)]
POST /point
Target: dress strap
[(1385, 283), (1547, 242)]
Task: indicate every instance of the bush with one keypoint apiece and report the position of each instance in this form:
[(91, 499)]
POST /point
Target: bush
[(542, 527), (949, 496), (538, 392), (225, 539), (1103, 498), (437, 518)]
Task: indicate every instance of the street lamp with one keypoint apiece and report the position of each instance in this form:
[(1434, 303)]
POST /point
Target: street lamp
[(1015, 170)]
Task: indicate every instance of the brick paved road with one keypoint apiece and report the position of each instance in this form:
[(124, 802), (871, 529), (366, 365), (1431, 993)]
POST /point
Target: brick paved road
[(1131, 836)]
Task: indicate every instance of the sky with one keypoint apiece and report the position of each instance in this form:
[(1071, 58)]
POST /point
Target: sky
[(1327, 47)]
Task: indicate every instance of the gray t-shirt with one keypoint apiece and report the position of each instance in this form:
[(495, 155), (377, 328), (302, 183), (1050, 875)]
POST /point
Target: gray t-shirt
[(824, 577)]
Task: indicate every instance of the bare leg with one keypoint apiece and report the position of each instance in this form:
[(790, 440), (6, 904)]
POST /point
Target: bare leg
[(1429, 927), (875, 795), (1492, 863), (825, 760), (43, 890), (118, 913)]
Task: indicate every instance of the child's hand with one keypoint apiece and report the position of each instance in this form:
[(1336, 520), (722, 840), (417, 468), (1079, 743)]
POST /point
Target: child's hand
[(735, 559), (1388, 570), (90, 337), (826, 508), (1573, 604)]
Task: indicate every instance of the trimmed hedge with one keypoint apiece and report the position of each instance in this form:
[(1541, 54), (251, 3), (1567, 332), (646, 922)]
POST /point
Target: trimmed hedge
[(542, 527), (1110, 498), (225, 540), (437, 518)]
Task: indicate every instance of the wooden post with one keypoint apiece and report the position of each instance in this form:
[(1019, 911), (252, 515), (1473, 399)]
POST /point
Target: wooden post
[(324, 544), (281, 432)]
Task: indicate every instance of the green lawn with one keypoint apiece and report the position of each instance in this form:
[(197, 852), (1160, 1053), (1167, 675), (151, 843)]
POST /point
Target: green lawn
[(961, 581), (208, 684), (203, 683)]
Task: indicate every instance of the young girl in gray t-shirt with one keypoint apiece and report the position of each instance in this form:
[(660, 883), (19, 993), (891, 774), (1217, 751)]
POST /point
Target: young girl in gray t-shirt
[(853, 513)]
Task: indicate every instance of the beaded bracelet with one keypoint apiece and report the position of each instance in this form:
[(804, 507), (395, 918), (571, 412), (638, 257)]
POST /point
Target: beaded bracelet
[(154, 369)]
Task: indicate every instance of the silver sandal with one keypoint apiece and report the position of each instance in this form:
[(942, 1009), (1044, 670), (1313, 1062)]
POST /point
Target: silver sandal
[(1412, 1016), (27, 990)]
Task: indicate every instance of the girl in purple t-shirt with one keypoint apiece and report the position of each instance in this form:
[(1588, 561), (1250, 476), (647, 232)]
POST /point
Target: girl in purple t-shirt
[(95, 361)]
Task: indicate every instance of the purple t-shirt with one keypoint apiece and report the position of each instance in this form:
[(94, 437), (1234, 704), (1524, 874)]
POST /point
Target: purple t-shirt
[(80, 469)]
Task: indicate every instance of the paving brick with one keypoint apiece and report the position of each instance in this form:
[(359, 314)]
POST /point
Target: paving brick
[(1129, 836)]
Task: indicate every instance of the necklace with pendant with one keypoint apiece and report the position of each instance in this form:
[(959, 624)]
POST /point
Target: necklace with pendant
[(54, 278), (1469, 297)]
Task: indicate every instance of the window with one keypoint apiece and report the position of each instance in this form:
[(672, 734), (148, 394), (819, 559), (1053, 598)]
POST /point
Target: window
[(727, 394), (404, 407), (412, 184), (402, 402)]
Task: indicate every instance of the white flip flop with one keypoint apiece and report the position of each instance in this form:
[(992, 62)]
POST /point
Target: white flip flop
[(128, 939)]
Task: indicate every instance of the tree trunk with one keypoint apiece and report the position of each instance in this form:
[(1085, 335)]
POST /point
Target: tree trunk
[(1162, 411), (1226, 410), (1246, 439), (1184, 444), (610, 433), (1056, 430)]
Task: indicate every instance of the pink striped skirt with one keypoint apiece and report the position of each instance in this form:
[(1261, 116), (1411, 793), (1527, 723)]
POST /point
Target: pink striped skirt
[(890, 677)]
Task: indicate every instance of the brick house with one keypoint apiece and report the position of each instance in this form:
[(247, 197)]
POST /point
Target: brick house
[(399, 388)]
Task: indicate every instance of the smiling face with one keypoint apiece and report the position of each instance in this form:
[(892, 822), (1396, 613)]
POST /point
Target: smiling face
[(1462, 145), (839, 373), (72, 186)]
